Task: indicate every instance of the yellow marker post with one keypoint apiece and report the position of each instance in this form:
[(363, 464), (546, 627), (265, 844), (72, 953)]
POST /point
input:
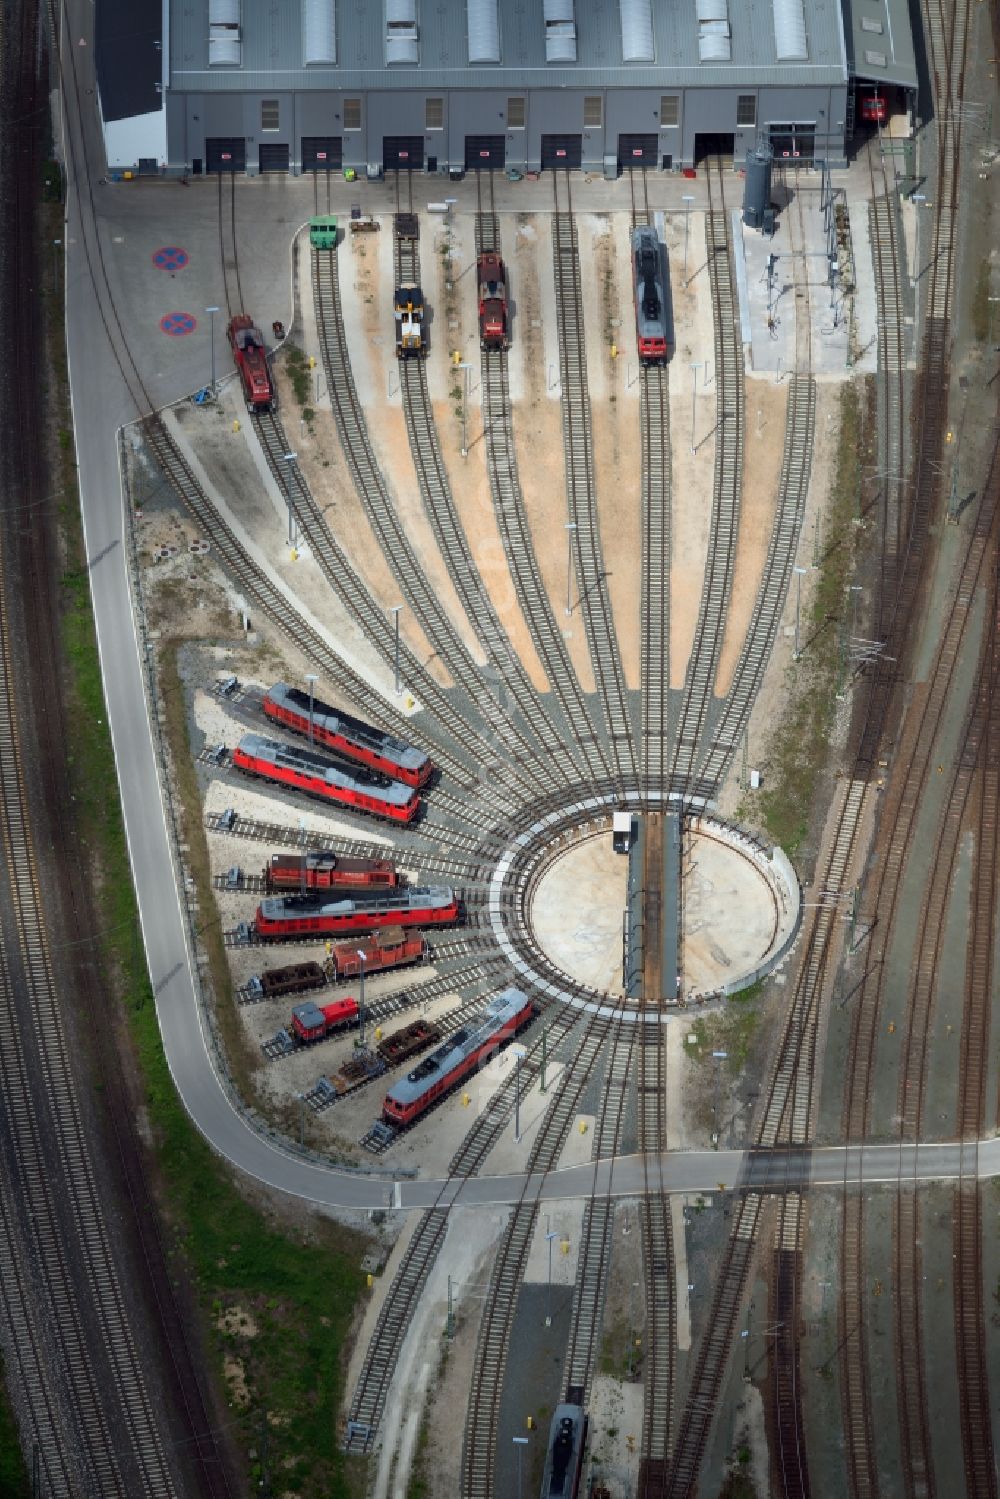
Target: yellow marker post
[(236, 425)]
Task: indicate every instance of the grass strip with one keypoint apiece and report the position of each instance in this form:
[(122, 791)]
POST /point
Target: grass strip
[(277, 1302), (798, 751), (14, 1482)]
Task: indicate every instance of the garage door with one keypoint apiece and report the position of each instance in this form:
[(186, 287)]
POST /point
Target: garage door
[(562, 150), (273, 157), (484, 151), (225, 153), (637, 150), (794, 143), (322, 153), (403, 153)]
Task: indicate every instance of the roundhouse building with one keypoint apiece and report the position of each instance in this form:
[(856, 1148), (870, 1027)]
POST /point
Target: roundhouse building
[(437, 85)]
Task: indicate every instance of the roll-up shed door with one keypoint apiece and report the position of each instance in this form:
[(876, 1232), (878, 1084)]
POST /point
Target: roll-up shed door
[(637, 150), (484, 151), (273, 157), (225, 153), (562, 150), (403, 153), (322, 153)]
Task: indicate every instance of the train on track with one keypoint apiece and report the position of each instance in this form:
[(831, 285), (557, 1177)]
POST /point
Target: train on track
[(294, 978), (408, 1042), (325, 870), (410, 323), (311, 1022), (304, 770), (872, 107), (348, 736), (652, 309), (250, 355), (564, 1457), (463, 1051), (494, 325), (300, 918), (391, 947)]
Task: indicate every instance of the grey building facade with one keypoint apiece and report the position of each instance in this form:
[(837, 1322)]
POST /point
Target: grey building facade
[(439, 85)]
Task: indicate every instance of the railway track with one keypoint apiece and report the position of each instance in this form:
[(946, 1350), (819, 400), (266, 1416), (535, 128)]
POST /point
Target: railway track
[(558, 765), (659, 1275), (515, 532), (386, 1343), (523, 772), (889, 256), (287, 835), (727, 483), (793, 488), (594, 601), (229, 254), (654, 645)]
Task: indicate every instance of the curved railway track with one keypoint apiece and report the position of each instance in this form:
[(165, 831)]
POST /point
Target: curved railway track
[(793, 488), (592, 592), (558, 764), (515, 532), (727, 482)]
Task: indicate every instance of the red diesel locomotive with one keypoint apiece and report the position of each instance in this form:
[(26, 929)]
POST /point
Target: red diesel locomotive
[(312, 1022), (324, 870), (250, 354), (299, 918), (350, 737), (437, 1074), (292, 765)]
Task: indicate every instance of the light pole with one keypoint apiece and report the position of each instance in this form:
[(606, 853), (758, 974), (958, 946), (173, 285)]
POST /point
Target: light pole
[(211, 338), (799, 571), (465, 367), (520, 1443), (687, 200), (394, 611), (312, 679), (519, 1053), (361, 996), (694, 396), (55, 261), (570, 528), (548, 1295), (719, 1056), (302, 1119), (290, 459)]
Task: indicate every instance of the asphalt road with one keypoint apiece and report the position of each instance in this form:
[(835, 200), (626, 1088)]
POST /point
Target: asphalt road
[(101, 403)]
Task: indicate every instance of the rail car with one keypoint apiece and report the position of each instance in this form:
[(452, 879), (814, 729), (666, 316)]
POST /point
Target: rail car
[(324, 870), (250, 355), (494, 327), (437, 1074), (564, 1456), (389, 948), (304, 770), (652, 314), (296, 978), (301, 917), (410, 323), (403, 1044), (359, 1069), (872, 107), (313, 1022), (349, 736)]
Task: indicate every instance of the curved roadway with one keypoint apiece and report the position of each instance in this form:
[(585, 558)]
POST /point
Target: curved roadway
[(101, 403)]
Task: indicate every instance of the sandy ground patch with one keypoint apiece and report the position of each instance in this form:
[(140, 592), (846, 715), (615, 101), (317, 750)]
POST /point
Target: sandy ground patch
[(576, 913), (537, 422), (615, 418), (764, 435), (691, 511)]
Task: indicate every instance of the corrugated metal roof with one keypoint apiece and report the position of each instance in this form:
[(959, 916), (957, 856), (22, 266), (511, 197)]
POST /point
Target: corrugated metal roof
[(789, 30), (560, 42), (319, 32), (637, 30), (484, 30), (558, 10), (400, 13), (401, 47), (272, 52), (891, 59), (224, 47), (223, 12)]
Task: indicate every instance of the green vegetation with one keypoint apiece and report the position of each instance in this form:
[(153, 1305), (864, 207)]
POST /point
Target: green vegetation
[(799, 748), (276, 1304), (14, 1482), (301, 377), (730, 1030), (981, 304)]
